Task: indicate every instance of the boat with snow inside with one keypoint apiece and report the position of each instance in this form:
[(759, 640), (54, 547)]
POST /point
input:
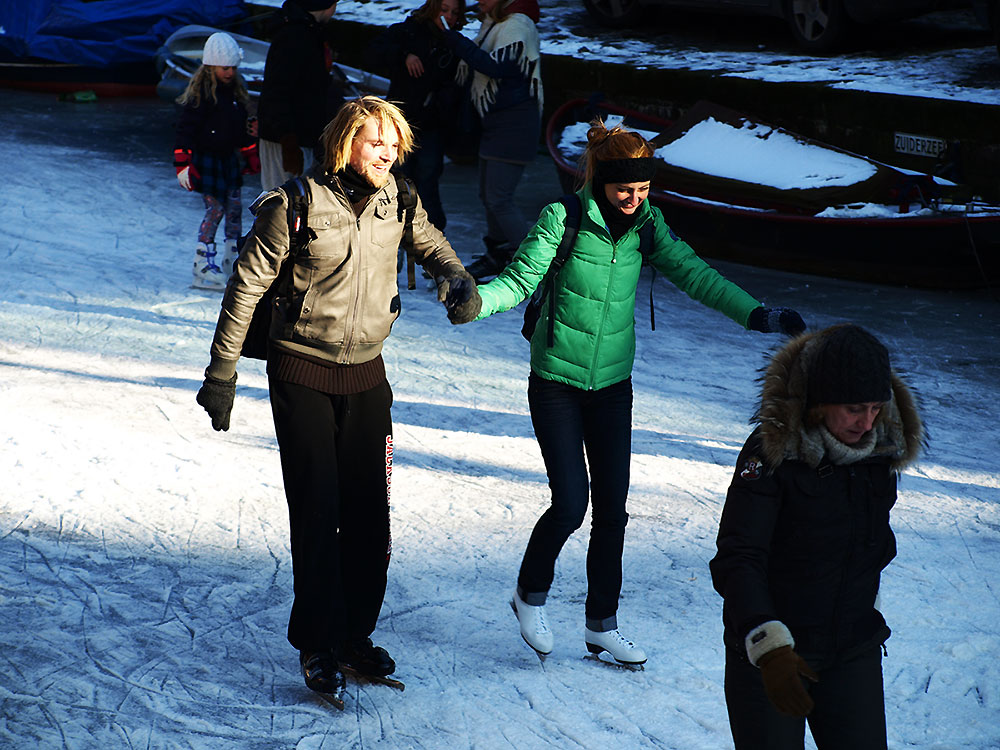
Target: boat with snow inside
[(741, 190)]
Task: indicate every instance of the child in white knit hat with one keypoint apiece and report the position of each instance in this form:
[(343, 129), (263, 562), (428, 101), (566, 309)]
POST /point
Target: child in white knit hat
[(214, 147)]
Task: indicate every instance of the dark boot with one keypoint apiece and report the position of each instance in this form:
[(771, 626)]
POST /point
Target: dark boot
[(321, 671), (364, 657), (492, 262)]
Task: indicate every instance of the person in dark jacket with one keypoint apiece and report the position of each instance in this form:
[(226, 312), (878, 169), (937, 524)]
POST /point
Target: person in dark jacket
[(803, 540), (503, 71), (298, 97), (329, 394), (580, 385), (421, 70), (213, 149)]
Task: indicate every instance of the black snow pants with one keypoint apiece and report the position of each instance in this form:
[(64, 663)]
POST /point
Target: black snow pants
[(849, 712), (336, 461)]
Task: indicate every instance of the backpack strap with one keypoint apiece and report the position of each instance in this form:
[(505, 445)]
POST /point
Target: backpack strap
[(645, 248), (299, 234), (574, 214), (298, 214), (406, 207)]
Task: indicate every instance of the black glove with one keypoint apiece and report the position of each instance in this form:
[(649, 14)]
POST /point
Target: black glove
[(217, 398), (776, 320), (782, 671), (460, 296)]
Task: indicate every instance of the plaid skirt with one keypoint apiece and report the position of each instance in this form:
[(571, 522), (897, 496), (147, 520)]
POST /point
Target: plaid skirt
[(220, 174)]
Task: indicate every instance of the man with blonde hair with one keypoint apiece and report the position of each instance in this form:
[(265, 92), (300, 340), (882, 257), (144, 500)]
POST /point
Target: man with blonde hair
[(335, 302)]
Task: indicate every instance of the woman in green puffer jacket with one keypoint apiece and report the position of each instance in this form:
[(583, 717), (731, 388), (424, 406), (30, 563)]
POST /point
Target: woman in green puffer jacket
[(580, 387)]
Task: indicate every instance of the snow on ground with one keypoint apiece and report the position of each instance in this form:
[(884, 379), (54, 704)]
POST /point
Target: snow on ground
[(144, 566)]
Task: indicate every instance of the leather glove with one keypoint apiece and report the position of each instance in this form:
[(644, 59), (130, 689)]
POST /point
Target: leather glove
[(460, 296), (252, 157), (291, 155), (187, 175), (782, 671), (216, 396), (776, 320)]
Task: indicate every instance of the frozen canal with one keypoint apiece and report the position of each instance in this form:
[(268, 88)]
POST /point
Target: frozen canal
[(144, 565)]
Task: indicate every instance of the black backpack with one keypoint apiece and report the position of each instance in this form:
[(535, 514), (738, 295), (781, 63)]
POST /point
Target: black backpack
[(299, 236), (574, 214)]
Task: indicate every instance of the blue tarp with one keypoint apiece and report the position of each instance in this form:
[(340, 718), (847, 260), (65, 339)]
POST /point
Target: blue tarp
[(102, 33)]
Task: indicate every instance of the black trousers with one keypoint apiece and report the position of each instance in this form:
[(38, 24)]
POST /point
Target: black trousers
[(336, 461), (567, 421), (849, 712)]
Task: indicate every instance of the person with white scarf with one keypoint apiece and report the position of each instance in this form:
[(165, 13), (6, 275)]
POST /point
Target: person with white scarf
[(503, 71)]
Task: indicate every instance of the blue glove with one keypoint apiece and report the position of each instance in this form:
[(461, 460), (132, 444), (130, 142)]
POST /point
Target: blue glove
[(776, 320)]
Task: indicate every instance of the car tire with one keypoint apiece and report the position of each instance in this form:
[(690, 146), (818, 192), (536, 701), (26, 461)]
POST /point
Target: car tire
[(995, 23), (616, 14), (818, 26)]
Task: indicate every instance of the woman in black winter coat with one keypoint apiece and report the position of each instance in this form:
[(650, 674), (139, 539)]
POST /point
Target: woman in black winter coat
[(802, 542), (421, 70)]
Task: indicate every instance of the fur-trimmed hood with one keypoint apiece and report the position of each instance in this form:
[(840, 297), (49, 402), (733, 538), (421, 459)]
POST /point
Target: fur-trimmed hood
[(781, 413)]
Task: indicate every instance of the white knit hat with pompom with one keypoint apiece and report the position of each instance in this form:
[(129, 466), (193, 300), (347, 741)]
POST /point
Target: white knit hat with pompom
[(222, 50)]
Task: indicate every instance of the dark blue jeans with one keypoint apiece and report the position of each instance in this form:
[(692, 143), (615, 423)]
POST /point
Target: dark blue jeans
[(505, 222), (424, 166), (570, 422)]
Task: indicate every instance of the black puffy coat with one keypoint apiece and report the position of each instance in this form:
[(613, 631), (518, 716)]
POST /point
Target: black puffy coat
[(429, 101), (802, 539), (298, 96), (218, 127)]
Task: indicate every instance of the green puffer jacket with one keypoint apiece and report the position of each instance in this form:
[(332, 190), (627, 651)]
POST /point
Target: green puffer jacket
[(594, 327)]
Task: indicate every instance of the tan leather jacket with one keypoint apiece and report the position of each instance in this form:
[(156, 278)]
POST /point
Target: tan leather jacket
[(344, 296)]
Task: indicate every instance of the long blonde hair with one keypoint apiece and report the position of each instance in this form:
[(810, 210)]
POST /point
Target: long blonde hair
[(339, 134), (204, 83), (607, 145), (431, 9)]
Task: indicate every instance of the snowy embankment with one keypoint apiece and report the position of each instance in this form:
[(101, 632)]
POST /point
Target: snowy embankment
[(144, 567)]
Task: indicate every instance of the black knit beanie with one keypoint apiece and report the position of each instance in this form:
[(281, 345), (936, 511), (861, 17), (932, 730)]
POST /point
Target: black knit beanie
[(849, 366)]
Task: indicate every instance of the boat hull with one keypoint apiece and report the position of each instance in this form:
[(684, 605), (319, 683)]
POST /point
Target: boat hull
[(954, 250), (132, 79), (180, 56)]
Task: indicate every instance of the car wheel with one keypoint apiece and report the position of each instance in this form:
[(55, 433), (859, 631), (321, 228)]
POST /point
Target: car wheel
[(995, 23), (614, 13), (818, 25)]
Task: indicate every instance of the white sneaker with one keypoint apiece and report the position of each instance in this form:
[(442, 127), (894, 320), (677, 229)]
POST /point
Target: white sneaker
[(534, 626), (207, 274), (229, 255), (622, 649)]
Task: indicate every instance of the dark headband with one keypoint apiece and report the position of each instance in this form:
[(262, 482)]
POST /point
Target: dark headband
[(640, 169)]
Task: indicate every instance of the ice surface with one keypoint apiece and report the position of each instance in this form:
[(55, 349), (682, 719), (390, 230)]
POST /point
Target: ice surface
[(145, 577)]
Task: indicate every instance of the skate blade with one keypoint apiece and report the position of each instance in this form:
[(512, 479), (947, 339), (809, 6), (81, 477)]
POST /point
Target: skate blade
[(373, 679), (334, 699), (541, 655), (622, 665)]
